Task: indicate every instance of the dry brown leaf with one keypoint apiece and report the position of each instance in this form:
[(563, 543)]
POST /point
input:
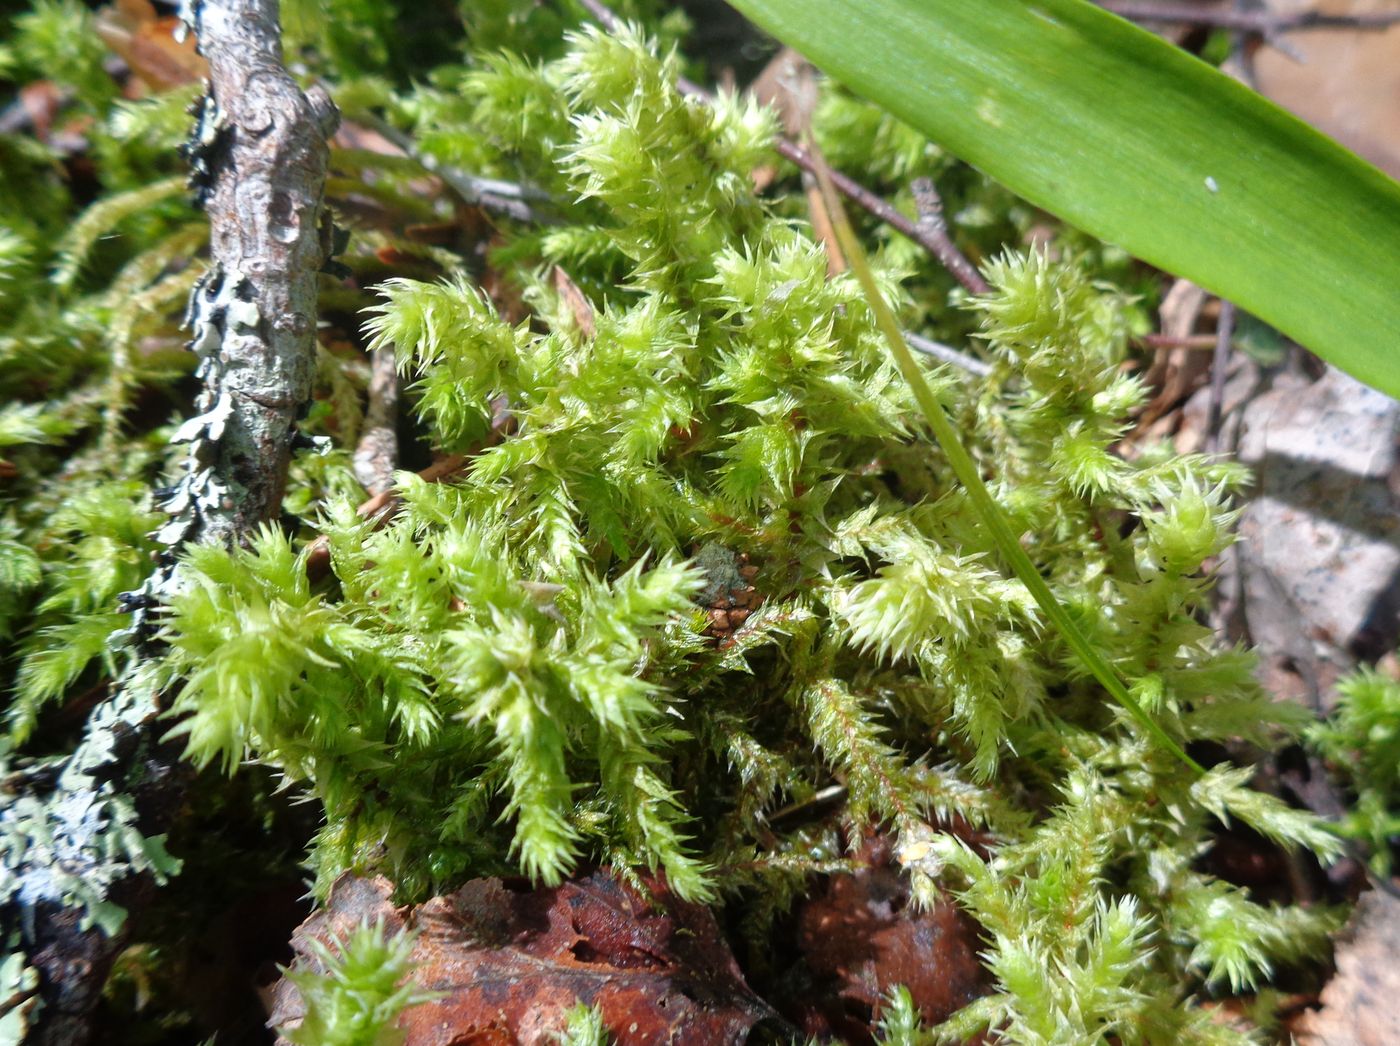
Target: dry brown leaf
[(146, 42), (1359, 1003), (42, 101), (1345, 82), (511, 960), (860, 935), (579, 306), (822, 227), (352, 135), (1175, 372), (788, 84)]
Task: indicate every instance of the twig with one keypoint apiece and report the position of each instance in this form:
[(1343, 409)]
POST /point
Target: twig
[(947, 354), (1168, 341), (836, 793), (936, 241), (377, 454), (1262, 23), (1242, 50), (384, 505), (259, 164), (512, 199), (933, 224), (930, 231), (1219, 369)]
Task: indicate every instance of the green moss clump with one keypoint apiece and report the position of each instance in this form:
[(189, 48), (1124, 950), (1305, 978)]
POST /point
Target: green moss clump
[(714, 567), (1361, 740), (358, 992)]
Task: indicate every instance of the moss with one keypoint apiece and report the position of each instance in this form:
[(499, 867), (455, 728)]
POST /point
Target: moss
[(715, 567)]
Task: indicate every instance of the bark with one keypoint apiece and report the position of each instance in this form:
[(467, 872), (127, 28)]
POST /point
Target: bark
[(260, 160), (377, 454), (83, 836)]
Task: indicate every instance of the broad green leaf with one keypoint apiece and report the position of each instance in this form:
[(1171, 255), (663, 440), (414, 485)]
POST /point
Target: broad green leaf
[(1140, 144)]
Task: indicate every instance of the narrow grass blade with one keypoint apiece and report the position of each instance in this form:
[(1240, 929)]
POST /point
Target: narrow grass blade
[(966, 471), (1140, 144)]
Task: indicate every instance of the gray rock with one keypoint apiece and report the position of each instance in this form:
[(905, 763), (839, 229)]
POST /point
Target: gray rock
[(1319, 556)]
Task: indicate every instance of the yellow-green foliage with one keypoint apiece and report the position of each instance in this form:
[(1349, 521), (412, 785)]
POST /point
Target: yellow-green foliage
[(517, 670), (523, 646), (1362, 741), (362, 985)]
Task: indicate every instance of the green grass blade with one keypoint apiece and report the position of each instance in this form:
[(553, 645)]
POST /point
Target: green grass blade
[(1140, 144), (968, 475)]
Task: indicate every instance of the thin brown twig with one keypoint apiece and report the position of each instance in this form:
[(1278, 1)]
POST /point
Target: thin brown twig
[(1220, 365), (385, 505), (1262, 23), (512, 199), (377, 454), (934, 240), (1168, 341), (933, 224)]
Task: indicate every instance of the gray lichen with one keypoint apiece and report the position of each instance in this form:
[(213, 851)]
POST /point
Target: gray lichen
[(19, 999), (71, 828), (68, 848)]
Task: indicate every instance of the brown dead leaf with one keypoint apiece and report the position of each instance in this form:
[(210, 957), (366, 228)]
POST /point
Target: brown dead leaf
[(511, 960), (788, 83), (42, 101), (1345, 82), (1243, 380), (823, 228), (1177, 371), (352, 135), (146, 42), (860, 936), (1359, 1004), (579, 306)]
